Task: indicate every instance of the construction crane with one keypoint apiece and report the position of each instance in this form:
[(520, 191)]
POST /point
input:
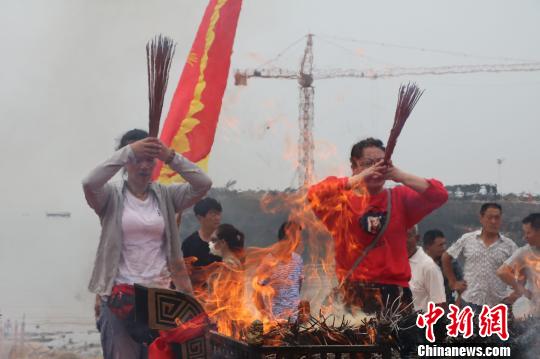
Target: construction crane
[(306, 76)]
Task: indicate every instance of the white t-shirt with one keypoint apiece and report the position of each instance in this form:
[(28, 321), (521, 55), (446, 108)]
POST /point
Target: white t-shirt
[(143, 254), (427, 283)]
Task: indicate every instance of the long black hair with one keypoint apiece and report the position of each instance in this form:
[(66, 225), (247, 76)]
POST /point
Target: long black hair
[(232, 236)]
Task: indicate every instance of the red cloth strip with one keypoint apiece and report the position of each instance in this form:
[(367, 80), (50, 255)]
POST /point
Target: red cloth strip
[(161, 347)]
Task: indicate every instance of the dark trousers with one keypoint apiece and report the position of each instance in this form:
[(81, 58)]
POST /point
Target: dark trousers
[(374, 298), (116, 342)]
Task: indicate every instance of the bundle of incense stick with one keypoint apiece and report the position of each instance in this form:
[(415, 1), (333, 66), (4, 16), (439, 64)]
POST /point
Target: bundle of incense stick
[(409, 95), (159, 54)]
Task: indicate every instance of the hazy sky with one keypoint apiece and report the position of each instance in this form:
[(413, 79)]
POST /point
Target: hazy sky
[(73, 79)]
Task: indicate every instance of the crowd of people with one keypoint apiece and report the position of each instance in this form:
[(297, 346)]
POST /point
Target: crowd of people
[(378, 248), (482, 267)]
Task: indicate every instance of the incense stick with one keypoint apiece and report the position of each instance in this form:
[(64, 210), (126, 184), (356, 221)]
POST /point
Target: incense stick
[(159, 54), (409, 95)]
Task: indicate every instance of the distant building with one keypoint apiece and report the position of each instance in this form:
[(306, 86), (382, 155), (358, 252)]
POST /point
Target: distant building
[(476, 191)]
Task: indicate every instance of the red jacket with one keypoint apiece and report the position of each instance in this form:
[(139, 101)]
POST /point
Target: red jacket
[(340, 210)]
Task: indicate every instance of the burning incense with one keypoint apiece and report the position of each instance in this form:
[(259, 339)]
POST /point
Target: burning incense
[(409, 95), (159, 54)]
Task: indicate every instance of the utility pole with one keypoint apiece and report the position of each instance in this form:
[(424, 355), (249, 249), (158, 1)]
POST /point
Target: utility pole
[(499, 173)]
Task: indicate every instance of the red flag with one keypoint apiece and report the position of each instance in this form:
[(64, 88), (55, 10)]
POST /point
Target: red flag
[(192, 119)]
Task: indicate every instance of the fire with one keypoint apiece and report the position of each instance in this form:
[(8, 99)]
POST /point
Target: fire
[(236, 296), (324, 151), (533, 264), (291, 151)]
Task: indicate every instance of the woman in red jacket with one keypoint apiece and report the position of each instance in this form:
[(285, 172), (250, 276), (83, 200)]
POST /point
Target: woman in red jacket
[(354, 210)]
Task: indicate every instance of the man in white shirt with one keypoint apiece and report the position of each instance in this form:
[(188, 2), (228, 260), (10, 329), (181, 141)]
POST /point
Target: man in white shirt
[(484, 252), (427, 283), (522, 270), (434, 244)]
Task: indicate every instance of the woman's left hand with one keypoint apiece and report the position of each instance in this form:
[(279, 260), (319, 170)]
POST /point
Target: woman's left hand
[(393, 173), (165, 153)]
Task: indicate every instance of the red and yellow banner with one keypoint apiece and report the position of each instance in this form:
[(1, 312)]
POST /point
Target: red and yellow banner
[(191, 123)]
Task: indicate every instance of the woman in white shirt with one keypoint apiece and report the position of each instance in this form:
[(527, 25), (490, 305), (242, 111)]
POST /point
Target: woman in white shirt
[(139, 240)]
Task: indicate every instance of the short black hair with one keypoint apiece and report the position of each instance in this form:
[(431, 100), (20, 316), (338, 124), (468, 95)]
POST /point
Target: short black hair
[(357, 151), (282, 232), (132, 136), (206, 205), (533, 219), (430, 236), (487, 205), (232, 236)]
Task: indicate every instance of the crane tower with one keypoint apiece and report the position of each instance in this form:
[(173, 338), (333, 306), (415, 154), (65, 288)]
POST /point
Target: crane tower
[(306, 75)]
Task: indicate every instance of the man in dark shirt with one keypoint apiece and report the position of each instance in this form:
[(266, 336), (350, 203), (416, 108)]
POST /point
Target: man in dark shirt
[(208, 213)]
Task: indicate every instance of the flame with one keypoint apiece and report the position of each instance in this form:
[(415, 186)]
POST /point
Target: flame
[(325, 150), (290, 153), (236, 295), (532, 263)]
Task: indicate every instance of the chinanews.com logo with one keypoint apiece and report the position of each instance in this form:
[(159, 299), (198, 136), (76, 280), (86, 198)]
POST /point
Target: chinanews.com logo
[(491, 321), (462, 351)]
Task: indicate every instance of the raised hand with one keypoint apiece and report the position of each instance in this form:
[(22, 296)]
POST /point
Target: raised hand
[(393, 173), (148, 147), (376, 171), (165, 153)]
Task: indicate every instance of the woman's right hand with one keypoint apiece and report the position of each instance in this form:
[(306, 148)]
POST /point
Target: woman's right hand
[(147, 147), (377, 170)]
